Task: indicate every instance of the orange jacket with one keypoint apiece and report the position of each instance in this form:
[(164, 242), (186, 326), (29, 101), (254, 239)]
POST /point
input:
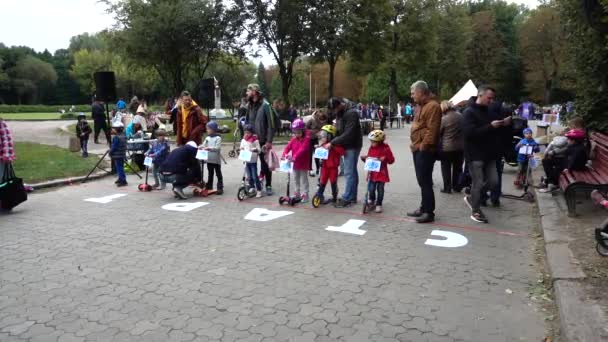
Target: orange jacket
[(426, 127), (196, 123)]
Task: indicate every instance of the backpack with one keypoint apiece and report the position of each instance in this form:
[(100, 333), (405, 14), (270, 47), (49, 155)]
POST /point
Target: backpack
[(275, 120)]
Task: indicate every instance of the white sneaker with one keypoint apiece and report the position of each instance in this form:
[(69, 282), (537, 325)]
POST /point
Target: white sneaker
[(549, 188), (258, 195), (379, 209)]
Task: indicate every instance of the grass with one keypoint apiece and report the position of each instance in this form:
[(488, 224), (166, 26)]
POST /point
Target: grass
[(36, 162)]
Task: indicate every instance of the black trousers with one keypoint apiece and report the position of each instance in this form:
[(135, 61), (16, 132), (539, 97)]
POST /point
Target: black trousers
[(451, 169), (423, 163), (98, 127), (215, 169), (265, 170), (553, 168)]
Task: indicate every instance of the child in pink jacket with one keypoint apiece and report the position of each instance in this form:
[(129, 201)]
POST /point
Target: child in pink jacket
[(299, 146)]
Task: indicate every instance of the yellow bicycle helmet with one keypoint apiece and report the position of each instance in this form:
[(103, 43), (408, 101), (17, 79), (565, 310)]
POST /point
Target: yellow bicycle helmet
[(376, 135), (329, 129)]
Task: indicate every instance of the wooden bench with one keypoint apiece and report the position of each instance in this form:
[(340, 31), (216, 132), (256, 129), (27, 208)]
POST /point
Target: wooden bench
[(595, 177)]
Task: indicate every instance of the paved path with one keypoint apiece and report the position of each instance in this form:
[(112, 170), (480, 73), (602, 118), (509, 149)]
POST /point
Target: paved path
[(127, 270)]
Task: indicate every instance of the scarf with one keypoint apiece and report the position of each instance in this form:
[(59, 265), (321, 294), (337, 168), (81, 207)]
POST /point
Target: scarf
[(7, 147), (185, 114)]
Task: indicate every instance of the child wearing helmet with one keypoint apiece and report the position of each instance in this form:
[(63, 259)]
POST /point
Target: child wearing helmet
[(522, 158), (577, 151), (83, 130), (118, 152), (213, 145), (159, 150), (329, 169), (251, 143), (299, 147), (376, 180)]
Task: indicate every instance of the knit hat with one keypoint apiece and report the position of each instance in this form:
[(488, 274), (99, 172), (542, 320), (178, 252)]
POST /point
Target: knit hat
[(254, 86), (192, 144)]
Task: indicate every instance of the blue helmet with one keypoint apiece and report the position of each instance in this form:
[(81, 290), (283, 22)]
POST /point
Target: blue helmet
[(527, 130), (212, 125), (248, 128)]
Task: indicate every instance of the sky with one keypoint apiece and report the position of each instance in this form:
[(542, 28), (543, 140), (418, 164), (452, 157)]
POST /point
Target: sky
[(49, 24)]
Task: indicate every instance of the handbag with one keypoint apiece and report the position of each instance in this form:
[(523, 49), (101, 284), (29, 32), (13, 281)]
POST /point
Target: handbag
[(272, 160), (12, 191)]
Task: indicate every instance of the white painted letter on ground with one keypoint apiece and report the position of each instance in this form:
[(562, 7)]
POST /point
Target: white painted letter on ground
[(350, 227), (452, 240), (183, 207), (265, 215), (105, 199)]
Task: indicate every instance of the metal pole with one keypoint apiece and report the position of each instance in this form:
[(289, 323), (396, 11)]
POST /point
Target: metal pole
[(310, 89), (315, 94)]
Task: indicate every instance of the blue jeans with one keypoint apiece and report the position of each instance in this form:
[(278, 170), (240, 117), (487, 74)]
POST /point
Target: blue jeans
[(119, 163), (372, 189), (252, 175), (351, 157)]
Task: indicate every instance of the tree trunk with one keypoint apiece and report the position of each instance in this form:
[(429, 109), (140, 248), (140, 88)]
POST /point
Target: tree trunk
[(332, 67), (393, 90)]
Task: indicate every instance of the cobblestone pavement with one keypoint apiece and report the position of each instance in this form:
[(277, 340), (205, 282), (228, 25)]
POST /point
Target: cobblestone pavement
[(127, 270)]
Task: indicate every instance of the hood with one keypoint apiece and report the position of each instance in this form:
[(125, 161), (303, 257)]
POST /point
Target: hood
[(560, 141)]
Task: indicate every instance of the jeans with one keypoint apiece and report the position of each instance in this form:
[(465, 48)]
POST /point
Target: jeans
[(156, 175), (451, 168), (372, 188), (119, 163), (496, 191), (351, 156), (217, 169), (84, 142), (424, 162), (265, 170), (252, 175), (484, 176)]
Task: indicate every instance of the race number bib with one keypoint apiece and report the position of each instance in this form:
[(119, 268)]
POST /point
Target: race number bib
[(202, 155), (245, 156), (148, 162), (526, 149), (372, 164), (285, 166), (321, 153)]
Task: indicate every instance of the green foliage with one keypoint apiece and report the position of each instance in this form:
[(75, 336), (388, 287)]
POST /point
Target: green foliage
[(587, 44), (86, 63), (42, 108), (261, 79)]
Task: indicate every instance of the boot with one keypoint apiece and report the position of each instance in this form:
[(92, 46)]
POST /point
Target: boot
[(334, 192), (220, 188)]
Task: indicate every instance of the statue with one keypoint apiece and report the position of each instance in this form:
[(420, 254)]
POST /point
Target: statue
[(217, 112)]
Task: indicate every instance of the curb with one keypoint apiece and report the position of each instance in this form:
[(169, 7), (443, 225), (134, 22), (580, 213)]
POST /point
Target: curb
[(66, 181), (580, 320)]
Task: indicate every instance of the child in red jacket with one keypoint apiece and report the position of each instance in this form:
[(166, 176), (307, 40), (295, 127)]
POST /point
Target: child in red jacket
[(381, 151), (329, 168)]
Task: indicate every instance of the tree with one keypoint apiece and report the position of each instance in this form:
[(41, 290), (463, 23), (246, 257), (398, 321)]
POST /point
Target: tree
[(261, 79), (87, 63), (176, 37), (29, 75), (487, 52), (86, 41), (541, 40), (283, 28)]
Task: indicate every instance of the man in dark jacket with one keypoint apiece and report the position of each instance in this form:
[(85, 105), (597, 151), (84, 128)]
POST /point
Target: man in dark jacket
[(181, 168), (259, 115), (99, 121), (349, 136), (480, 146)]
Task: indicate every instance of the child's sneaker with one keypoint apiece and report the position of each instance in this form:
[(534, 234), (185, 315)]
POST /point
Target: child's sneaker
[(269, 191), (259, 194), (379, 209), (305, 198), (297, 195)]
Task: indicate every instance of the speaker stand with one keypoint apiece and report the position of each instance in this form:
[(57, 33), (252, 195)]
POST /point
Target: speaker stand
[(97, 166)]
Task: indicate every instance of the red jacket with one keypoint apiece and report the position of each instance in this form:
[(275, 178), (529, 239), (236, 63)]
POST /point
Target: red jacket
[(335, 153), (300, 151), (382, 150)]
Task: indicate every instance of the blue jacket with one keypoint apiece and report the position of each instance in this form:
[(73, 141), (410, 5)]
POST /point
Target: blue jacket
[(180, 160), (119, 146), (160, 151), (525, 142)]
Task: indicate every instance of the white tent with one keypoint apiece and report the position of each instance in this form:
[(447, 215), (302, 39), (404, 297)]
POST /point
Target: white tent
[(465, 93)]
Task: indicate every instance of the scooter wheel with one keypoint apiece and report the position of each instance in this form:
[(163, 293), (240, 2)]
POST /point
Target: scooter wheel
[(231, 154), (529, 197), (281, 200), (316, 201), (601, 249), (292, 202), (241, 194)]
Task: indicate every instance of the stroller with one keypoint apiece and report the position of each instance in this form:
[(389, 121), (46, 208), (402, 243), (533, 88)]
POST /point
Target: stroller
[(237, 134), (601, 233)]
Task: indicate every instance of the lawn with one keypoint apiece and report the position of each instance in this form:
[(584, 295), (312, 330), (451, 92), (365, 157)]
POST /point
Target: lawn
[(36, 162), (30, 116)]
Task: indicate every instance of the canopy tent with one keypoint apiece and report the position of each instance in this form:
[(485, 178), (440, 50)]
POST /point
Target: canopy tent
[(465, 93)]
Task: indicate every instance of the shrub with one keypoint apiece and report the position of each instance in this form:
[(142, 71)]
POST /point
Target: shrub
[(42, 108), (69, 116)]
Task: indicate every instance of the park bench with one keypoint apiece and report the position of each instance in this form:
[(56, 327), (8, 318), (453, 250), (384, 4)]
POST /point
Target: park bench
[(595, 177)]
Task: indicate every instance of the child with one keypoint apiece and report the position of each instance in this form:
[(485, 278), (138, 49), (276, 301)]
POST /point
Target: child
[(577, 152), (250, 143), (522, 158), (158, 152), (299, 146), (213, 144), (118, 152), (329, 169), (83, 130), (376, 181)]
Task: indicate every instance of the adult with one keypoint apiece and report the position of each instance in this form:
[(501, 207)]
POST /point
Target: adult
[(133, 105), (348, 136), (314, 123), (181, 168), (382, 117), (504, 147), (99, 121), (452, 147), (191, 122), (171, 112), (7, 147), (293, 113), (480, 146), (408, 113), (259, 115), (424, 137), (121, 105), (526, 110)]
